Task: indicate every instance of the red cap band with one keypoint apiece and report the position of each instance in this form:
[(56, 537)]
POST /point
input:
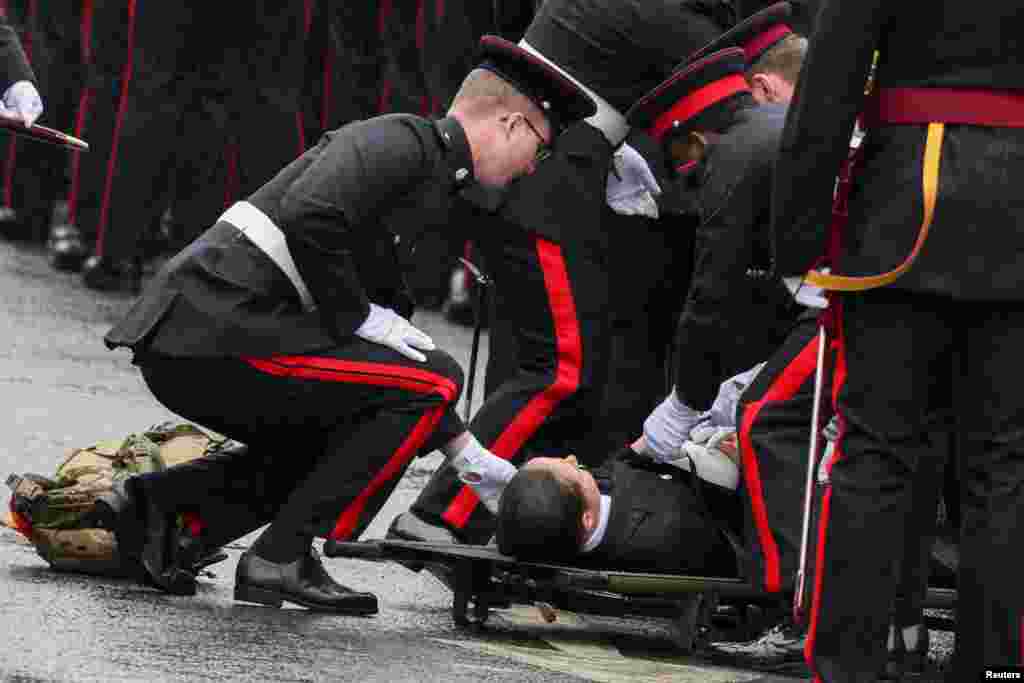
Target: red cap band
[(764, 40), (698, 101)]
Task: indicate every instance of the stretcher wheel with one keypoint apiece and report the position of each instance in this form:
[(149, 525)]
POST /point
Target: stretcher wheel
[(690, 629)]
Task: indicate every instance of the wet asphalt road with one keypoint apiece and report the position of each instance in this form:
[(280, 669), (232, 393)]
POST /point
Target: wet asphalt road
[(60, 387)]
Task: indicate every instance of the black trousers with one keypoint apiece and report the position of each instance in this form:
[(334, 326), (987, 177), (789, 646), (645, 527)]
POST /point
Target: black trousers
[(180, 111), (774, 421), (896, 352), (35, 175), (328, 434), (551, 299)]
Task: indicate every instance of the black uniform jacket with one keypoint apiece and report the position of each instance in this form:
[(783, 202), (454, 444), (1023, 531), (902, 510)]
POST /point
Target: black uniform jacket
[(736, 313), (14, 64), (976, 247), (623, 49), (222, 296), (660, 522)]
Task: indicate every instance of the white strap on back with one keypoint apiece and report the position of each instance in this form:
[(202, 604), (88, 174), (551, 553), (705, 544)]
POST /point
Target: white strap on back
[(262, 232)]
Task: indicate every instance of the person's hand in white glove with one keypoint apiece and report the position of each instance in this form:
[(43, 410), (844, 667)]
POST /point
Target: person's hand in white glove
[(667, 427), (632, 187), (384, 326), (806, 294), (714, 453), (22, 101)]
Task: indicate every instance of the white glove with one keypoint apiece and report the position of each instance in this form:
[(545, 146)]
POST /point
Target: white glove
[(668, 427), (714, 453), (22, 101), (487, 475), (804, 293), (631, 186), (384, 326)]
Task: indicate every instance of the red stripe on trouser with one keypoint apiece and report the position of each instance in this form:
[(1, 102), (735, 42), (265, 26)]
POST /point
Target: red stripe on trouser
[(122, 106), (300, 128), (82, 115), (375, 374), (567, 375), (86, 30), (231, 180), (383, 14), (785, 386), (348, 521), (328, 75), (357, 372), (839, 378)]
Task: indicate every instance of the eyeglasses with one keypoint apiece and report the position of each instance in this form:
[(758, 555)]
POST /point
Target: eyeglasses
[(543, 148)]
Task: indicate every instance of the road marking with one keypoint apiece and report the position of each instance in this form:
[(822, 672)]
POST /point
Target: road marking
[(562, 648)]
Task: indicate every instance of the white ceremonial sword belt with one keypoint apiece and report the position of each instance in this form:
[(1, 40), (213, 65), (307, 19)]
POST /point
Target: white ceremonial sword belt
[(262, 232)]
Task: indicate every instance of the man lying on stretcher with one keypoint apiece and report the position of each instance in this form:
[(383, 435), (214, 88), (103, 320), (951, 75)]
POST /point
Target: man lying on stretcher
[(634, 512)]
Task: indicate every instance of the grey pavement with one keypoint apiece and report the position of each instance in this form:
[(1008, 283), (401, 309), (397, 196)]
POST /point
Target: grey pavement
[(60, 388)]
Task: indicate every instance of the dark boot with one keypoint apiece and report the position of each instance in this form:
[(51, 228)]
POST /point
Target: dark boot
[(303, 581), (106, 276), (159, 546), (65, 248)]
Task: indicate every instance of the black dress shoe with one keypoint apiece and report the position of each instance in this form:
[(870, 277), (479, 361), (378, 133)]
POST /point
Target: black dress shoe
[(106, 276), (303, 582), (12, 226), (65, 248)]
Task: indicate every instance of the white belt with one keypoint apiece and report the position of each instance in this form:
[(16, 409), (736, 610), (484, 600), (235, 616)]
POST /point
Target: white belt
[(608, 119), (262, 232)]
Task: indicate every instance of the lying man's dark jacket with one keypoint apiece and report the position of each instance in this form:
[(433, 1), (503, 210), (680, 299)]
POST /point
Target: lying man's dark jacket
[(662, 520)]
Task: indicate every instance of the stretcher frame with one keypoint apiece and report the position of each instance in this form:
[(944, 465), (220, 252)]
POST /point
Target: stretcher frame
[(699, 608)]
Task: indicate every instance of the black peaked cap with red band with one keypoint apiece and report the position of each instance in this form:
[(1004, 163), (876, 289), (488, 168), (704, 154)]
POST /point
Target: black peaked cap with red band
[(756, 34), (696, 97), (560, 99)]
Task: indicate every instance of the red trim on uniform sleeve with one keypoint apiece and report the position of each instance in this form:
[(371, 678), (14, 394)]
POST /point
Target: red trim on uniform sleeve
[(763, 41), (348, 521), (567, 374), (697, 101), (785, 386)]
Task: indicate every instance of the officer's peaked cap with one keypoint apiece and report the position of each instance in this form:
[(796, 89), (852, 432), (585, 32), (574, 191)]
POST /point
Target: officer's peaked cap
[(695, 97), (559, 98), (756, 34)]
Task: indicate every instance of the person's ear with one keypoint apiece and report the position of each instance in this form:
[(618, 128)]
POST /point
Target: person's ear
[(762, 88), (589, 521)]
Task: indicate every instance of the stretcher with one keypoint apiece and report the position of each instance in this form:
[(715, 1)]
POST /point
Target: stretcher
[(701, 609)]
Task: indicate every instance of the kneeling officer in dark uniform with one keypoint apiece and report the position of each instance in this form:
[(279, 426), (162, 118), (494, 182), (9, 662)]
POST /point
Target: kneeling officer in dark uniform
[(285, 326)]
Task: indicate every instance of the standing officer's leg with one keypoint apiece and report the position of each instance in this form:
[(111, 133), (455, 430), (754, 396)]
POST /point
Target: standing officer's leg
[(990, 604), (892, 346)]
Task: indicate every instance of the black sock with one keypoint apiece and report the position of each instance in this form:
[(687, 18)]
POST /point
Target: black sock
[(281, 546)]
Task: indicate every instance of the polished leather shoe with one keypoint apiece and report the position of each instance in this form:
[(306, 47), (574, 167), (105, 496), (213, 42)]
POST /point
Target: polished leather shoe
[(65, 248), (303, 582), (104, 276), (12, 226)]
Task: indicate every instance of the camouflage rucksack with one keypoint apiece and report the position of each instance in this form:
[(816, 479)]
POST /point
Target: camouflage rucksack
[(60, 515)]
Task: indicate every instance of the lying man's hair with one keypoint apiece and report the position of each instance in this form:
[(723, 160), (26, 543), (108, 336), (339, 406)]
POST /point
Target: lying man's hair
[(539, 518)]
